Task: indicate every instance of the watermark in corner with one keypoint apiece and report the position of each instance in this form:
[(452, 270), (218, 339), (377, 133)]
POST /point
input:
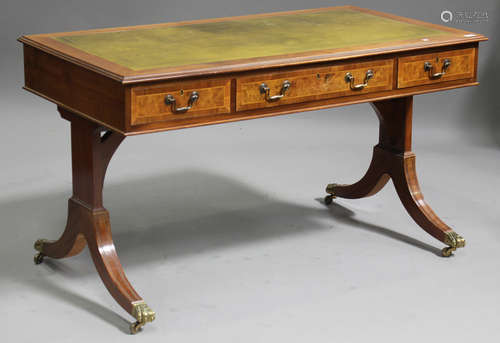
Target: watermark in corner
[(464, 17)]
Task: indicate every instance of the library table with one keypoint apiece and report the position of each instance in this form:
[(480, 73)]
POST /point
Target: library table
[(117, 82)]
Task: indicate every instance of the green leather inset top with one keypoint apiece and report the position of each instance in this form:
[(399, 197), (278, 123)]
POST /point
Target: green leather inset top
[(170, 46)]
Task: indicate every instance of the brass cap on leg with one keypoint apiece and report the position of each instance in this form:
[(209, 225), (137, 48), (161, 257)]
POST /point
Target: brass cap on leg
[(143, 313), (454, 241), (39, 244), (330, 188)]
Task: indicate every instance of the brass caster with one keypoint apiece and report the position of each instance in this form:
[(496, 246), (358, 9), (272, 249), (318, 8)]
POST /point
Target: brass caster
[(38, 247), (39, 244), (330, 188), (454, 241), (38, 259), (448, 251), (143, 314), (329, 199), (331, 193), (136, 327)]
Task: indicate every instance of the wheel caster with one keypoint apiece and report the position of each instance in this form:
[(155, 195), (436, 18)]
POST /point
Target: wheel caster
[(448, 251), (136, 327), (38, 259), (329, 199)]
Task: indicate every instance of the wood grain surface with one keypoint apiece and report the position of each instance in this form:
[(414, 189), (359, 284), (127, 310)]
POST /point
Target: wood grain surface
[(411, 70), (148, 102), (310, 84)]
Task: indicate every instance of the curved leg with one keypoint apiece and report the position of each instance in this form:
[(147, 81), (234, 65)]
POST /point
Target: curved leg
[(102, 249), (392, 158), (71, 242), (405, 180), (88, 221), (371, 183)]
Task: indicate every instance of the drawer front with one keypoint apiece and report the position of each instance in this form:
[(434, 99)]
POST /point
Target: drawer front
[(309, 84), (149, 104), (436, 67)]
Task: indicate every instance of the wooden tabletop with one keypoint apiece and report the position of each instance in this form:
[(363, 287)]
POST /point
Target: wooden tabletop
[(164, 51)]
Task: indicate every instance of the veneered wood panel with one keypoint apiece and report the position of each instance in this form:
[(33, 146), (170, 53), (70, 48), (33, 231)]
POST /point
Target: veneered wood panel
[(106, 101), (148, 102), (411, 71), (75, 87), (298, 107), (310, 84)]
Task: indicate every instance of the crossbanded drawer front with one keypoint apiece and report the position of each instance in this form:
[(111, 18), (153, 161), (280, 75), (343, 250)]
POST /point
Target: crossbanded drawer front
[(308, 84), (151, 104), (423, 69)]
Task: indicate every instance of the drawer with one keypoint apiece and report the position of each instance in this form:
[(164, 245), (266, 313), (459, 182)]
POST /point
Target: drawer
[(307, 84), (423, 69), (170, 101)]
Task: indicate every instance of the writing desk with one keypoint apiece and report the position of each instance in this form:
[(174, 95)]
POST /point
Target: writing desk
[(113, 83)]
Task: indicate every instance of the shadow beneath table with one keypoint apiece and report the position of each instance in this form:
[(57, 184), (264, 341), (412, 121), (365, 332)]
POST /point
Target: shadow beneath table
[(344, 215), (164, 217), (58, 293)]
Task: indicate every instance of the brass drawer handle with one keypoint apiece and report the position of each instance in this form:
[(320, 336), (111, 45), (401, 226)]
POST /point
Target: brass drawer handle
[(170, 100), (428, 67), (349, 78), (264, 89)]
